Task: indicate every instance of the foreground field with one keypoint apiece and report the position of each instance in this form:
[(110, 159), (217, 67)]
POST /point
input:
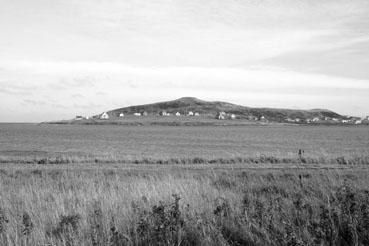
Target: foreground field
[(183, 205), (77, 185)]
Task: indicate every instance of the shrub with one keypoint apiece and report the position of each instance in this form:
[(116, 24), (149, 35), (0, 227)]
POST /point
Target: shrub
[(163, 225), (3, 221), (66, 232), (27, 224)]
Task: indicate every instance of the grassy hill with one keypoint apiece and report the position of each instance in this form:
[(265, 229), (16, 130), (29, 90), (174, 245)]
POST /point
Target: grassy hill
[(212, 108)]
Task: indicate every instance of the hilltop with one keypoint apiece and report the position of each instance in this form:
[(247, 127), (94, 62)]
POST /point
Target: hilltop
[(210, 109)]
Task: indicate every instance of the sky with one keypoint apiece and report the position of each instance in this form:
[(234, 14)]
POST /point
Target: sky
[(63, 58)]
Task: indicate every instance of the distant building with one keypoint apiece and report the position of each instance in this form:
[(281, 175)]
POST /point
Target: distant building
[(233, 116), (345, 121), (144, 113), (263, 119), (104, 116), (178, 114), (251, 117), (121, 115), (78, 117), (358, 122), (293, 120), (190, 113), (221, 116), (289, 120), (137, 114), (163, 113), (316, 119), (197, 114), (353, 120)]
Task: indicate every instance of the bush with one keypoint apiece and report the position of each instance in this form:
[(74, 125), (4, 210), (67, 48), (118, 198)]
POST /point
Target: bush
[(66, 232), (163, 225)]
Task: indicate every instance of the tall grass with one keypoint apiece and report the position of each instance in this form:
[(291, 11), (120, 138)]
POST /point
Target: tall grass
[(183, 207), (262, 159)]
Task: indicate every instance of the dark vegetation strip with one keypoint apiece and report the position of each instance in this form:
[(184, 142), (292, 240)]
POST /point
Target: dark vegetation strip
[(342, 160)]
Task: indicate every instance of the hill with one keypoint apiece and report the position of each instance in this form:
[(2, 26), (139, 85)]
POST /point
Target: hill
[(212, 108)]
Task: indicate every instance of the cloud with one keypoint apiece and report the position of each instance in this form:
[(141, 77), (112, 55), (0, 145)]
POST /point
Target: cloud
[(88, 74), (77, 96), (34, 102), (178, 33), (16, 88), (37, 104), (347, 60), (260, 53)]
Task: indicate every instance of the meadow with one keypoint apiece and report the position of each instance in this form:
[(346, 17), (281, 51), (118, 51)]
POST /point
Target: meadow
[(112, 185), (180, 144), (156, 205)]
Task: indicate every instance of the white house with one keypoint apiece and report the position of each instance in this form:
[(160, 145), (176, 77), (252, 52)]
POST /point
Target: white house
[(121, 115), (316, 119), (137, 114), (358, 122), (221, 115), (289, 120), (190, 113), (178, 114), (104, 116), (197, 114), (233, 116)]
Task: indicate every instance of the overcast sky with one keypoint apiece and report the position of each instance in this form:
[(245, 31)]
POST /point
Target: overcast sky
[(63, 58)]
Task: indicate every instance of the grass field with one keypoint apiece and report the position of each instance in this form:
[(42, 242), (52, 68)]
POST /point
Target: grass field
[(110, 185), (183, 205), (76, 143)]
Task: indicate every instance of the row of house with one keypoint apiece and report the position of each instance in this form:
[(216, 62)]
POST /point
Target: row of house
[(346, 120), (223, 115), (105, 115), (190, 113), (79, 117)]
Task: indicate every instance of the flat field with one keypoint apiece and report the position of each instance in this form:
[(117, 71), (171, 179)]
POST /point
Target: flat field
[(182, 203), (130, 143)]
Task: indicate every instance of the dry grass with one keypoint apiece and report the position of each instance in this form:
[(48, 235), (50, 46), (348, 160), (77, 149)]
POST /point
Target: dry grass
[(95, 206), (262, 159)]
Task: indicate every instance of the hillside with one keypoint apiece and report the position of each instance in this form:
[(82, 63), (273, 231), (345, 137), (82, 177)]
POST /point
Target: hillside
[(212, 108)]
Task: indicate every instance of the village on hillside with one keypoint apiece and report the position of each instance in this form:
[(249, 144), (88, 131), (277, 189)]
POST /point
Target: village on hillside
[(349, 120)]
